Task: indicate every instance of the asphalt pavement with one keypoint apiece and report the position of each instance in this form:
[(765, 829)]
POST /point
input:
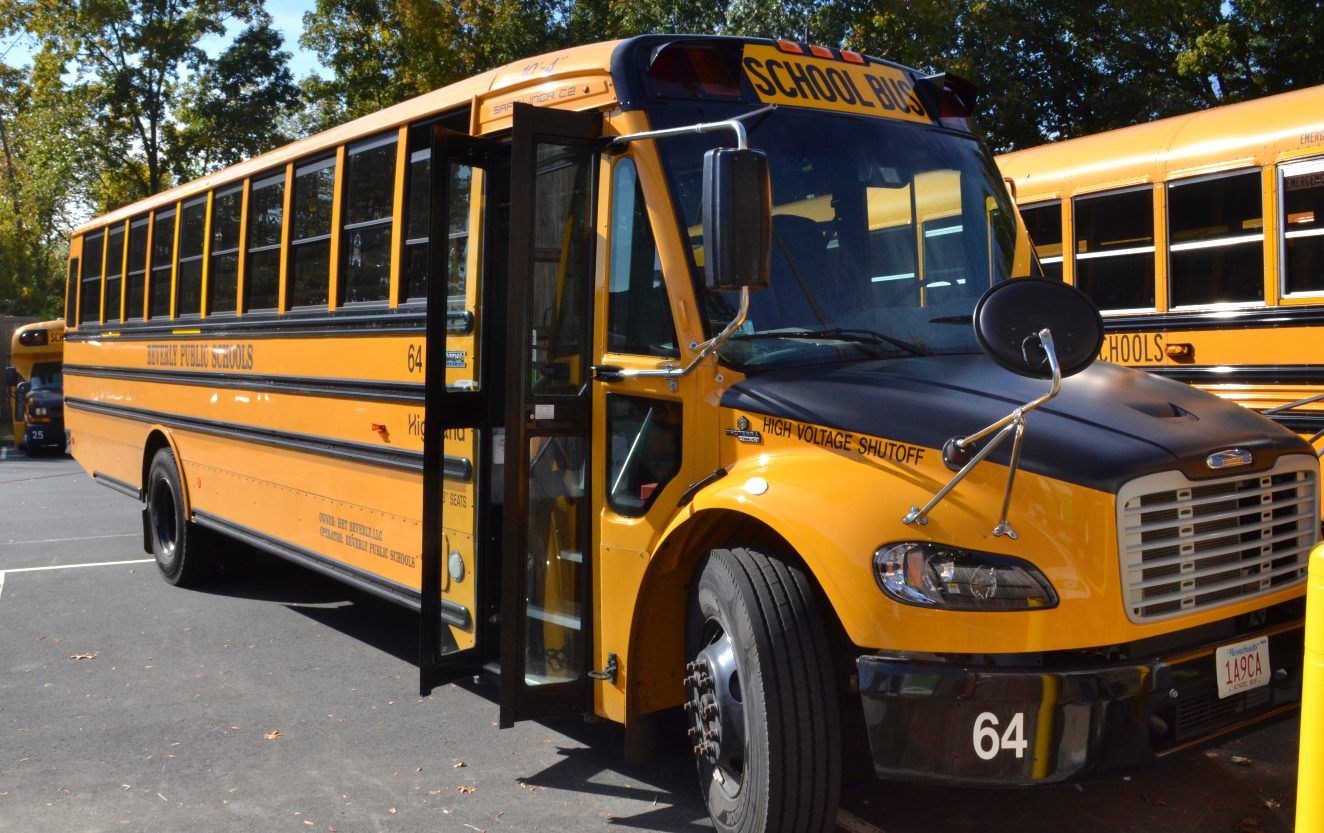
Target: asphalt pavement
[(283, 701)]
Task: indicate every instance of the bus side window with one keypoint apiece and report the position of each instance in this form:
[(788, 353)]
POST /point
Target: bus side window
[(638, 307), (163, 246), (1216, 240), (266, 217), (1043, 221), (415, 272), (89, 293), (644, 441), (366, 238), (114, 271), (310, 244), (135, 280), (1115, 248), (223, 273), (70, 291), (188, 278), (1302, 227)]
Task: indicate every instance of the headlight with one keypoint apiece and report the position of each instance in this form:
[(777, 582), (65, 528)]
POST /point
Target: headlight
[(938, 576), (39, 411)]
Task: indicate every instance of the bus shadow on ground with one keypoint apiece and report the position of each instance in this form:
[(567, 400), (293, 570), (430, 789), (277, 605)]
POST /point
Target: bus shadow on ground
[(375, 622), (665, 785)]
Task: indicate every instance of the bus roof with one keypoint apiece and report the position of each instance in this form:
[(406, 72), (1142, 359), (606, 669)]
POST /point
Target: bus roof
[(1208, 141), (573, 61)]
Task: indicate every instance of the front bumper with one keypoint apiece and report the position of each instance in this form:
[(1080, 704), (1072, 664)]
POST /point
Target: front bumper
[(44, 435), (1000, 725)]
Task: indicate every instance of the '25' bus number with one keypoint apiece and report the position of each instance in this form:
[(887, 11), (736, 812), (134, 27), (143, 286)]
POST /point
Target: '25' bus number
[(988, 743)]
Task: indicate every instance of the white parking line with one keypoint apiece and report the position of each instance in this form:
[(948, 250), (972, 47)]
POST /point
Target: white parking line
[(68, 567), (62, 540)]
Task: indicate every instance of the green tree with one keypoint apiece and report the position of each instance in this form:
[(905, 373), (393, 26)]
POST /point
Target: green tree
[(42, 172), (138, 54), (230, 110)]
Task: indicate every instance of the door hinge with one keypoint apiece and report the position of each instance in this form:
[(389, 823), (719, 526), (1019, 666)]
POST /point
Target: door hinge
[(608, 673)]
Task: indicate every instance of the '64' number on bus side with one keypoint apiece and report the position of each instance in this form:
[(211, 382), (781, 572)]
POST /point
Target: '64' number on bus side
[(988, 743)]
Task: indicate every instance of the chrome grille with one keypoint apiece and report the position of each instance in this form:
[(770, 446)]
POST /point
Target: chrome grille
[(1193, 544)]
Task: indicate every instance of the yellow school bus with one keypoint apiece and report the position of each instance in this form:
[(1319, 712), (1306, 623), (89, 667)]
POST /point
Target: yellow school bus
[(34, 384), (682, 373), (1201, 237)]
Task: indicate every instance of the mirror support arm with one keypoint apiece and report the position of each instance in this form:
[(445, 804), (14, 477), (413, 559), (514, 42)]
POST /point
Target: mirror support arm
[(615, 374), (1012, 425), (1274, 413), (709, 347), (742, 142)]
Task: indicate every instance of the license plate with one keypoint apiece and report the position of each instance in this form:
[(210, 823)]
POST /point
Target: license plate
[(1242, 666), (38, 435)]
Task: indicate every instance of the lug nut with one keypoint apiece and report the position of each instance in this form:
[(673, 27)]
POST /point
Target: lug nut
[(709, 712)]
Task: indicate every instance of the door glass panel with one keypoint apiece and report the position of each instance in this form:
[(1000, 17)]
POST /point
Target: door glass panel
[(463, 296), (554, 641), (562, 252)]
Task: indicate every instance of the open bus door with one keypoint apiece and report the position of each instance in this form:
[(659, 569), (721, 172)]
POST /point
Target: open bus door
[(540, 429)]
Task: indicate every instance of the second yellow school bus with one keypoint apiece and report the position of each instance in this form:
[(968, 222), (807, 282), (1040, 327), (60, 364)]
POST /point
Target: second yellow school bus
[(1201, 237), (34, 384), (644, 371)]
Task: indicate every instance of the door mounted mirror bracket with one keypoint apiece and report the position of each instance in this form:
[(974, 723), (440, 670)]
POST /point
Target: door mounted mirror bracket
[(607, 373)]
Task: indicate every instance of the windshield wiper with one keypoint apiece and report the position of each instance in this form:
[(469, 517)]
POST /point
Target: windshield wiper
[(857, 336), (952, 319)]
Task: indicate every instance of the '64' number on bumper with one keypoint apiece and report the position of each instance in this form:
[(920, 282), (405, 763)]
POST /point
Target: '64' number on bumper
[(988, 742)]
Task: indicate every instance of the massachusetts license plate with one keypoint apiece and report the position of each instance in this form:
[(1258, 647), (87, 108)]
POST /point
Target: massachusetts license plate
[(1242, 666)]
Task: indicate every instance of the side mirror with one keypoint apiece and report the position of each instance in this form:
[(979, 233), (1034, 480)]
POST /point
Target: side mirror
[(1010, 315), (11, 377), (737, 219)]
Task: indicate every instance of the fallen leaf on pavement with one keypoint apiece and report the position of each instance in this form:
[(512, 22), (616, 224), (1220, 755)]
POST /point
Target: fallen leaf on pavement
[(1272, 803), (458, 764), (87, 655), (273, 735), (1240, 761), (465, 789)]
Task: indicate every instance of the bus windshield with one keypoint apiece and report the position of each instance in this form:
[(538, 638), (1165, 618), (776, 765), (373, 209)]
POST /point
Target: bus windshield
[(47, 376), (884, 234)]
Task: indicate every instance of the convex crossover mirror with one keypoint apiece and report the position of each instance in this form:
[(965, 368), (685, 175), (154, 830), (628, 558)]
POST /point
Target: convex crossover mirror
[(1009, 317)]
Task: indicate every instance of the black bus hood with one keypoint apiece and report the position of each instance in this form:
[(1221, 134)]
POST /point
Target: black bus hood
[(1108, 425)]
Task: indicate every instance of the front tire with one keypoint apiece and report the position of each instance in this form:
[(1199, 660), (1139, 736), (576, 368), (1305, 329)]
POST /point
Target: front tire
[(182, 551), (761, 697)]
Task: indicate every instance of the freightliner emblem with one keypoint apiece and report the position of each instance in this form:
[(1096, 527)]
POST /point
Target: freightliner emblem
[(741, 432), (1229, 458)]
